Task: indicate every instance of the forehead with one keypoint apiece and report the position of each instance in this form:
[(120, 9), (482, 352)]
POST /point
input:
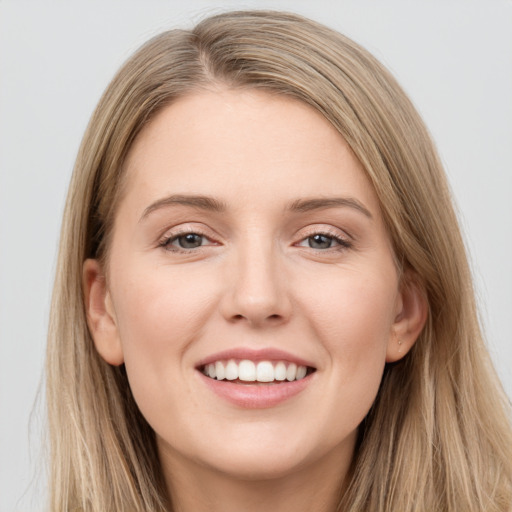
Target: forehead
[(240, 143)]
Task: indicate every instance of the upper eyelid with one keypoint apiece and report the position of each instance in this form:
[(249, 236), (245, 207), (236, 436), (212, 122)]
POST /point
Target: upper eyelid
[(328, 230), (185, 228), (301, 234)]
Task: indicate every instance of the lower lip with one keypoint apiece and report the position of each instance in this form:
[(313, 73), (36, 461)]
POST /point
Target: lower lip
[(256, 395)]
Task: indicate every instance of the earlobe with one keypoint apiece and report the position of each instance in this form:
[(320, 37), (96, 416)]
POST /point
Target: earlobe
[(100, 314), (411, 316)]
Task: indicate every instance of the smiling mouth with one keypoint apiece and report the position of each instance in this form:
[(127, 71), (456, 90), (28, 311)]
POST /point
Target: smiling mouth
[(246, 371)]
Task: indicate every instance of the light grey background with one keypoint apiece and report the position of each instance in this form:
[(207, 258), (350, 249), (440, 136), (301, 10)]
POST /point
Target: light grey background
[(454, 58)]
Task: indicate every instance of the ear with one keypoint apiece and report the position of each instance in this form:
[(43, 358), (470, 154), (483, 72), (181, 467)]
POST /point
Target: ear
[(100, 314), (411, 315)]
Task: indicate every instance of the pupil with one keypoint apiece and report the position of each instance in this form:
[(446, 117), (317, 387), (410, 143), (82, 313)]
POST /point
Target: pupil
[(190, 241), (319, 242)]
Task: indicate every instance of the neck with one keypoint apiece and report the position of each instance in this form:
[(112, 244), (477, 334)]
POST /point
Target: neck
[(316, 486)]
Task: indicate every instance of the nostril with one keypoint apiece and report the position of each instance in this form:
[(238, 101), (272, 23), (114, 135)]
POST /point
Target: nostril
[(272, 318)]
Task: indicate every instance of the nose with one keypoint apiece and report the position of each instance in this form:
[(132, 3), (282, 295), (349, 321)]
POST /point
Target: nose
[(258, 292)]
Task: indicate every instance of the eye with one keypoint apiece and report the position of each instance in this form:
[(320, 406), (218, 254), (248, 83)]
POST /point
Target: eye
[(189, 241), (324, 241), (185, 241), (320, 241)]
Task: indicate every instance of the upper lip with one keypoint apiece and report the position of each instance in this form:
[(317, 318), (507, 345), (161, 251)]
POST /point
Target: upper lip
[(266, 354)]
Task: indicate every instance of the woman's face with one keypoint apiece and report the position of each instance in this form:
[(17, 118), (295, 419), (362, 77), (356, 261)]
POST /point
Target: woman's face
[(248, 244)]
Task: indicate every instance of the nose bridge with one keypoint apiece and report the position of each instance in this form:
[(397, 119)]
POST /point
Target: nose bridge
[(258, 291)]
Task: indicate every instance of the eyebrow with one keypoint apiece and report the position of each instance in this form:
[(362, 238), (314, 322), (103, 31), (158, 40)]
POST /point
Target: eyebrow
[(323, 203), (214, 205), (199, 202)]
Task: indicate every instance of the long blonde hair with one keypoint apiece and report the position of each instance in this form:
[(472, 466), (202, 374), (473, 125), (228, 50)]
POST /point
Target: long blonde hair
[(438, 436)]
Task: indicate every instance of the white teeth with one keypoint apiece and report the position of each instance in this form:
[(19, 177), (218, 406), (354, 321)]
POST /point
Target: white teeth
[(248, 371), (301, 372), (291, 372), (264, 371), (219, 370), (280, 371), (231, 370)]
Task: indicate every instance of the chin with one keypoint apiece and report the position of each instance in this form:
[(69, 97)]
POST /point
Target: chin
[(254, 467), (273, 455)]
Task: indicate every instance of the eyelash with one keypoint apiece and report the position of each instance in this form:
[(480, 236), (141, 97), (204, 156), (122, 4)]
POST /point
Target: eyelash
[(166, 243), (342, 244)]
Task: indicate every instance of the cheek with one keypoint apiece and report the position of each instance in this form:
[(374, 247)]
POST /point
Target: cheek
[(353, 310), (159, 305), (353, 322), (158, 313)]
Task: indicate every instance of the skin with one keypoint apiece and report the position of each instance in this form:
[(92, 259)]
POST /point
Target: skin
[(254, 282)]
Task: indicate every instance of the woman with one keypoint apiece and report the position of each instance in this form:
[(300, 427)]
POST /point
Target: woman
[(262, 299)]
